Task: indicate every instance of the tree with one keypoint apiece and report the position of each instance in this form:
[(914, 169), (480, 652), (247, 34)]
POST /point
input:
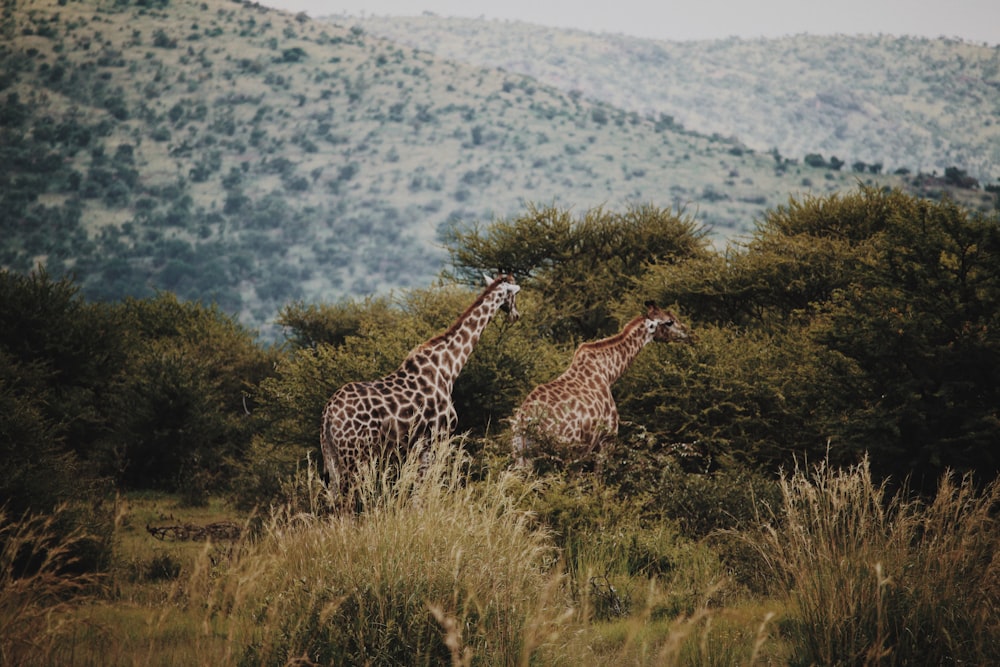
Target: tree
[(60, 361), (866, 322), (960, 178), (580, 268), (184, 419), (815, 160)]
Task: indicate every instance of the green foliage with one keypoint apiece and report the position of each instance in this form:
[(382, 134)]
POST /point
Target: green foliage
[(614, 548), (60, 358), (582, 267), (922, 326), (865, 321), (148, 393), (729, 498), (185, 401), (307, 326)]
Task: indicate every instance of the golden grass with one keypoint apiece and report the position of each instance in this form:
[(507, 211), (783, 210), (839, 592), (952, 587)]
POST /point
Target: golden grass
[(430, 567), (878, 578), (38, 587)]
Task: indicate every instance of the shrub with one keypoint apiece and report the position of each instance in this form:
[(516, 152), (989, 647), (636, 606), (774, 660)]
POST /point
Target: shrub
[(60, 360), (183, 418), (620, 557), (854, 322), (728, 498)]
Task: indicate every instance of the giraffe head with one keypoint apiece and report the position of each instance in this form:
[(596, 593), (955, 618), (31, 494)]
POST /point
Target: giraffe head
[(663, 325), (508, 289)]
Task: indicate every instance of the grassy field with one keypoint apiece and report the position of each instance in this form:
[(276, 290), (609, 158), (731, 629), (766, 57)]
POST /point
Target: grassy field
[(444, 569), (141, 613)]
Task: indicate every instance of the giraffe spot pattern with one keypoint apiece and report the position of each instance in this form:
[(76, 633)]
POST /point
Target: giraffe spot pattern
[(413, 403), (578, 407)]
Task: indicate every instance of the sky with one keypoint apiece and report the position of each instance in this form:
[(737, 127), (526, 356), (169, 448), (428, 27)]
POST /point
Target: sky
[(972, 20)]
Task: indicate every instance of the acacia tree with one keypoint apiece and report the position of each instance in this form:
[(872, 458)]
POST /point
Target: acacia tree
[(184, 416), (580, 267), (864, 322)]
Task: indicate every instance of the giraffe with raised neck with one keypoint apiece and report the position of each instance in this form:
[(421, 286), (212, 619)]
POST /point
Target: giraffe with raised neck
[(577, 408), (412, 404)]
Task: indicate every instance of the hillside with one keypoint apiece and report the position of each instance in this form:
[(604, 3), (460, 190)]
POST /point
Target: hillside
[(901, 102), (231, 153)]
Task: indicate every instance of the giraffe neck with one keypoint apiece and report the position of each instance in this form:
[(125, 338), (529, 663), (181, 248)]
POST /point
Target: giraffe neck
[(608, 359), (444, 356)]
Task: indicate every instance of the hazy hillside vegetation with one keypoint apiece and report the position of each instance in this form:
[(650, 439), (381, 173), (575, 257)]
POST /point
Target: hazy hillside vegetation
[(851, 342), (230, 153), (897, 102)]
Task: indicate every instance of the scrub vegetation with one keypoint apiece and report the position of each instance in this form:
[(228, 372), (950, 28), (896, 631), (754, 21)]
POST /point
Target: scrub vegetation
[(812, 482)]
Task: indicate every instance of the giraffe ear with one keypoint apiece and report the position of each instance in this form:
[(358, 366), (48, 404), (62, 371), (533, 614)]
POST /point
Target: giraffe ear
[(487, 278), (650, 304)]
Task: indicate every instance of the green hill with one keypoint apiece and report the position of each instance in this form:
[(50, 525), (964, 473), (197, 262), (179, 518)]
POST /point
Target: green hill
[(227, 152), (902, 102)]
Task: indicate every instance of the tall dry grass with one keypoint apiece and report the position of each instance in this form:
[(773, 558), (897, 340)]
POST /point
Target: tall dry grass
[(875, 578), (426, 569), (40, 586)]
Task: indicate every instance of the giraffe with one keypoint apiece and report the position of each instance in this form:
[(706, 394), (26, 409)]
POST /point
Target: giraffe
[(577, 407), (413, 403)]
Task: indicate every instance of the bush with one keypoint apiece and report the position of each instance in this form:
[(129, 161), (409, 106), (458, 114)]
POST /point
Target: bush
[(60, 360), (183, 408), (730, 498), (621, 557), (846, 321)]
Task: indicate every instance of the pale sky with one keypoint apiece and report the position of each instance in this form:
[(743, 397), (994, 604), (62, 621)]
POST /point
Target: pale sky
[(972, 20)]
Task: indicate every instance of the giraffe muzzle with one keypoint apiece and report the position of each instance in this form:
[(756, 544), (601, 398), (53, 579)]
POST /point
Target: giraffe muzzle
[(511, 310)]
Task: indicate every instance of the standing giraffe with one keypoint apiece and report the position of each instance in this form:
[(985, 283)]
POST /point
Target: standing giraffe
[(413, 403), (577, 408)]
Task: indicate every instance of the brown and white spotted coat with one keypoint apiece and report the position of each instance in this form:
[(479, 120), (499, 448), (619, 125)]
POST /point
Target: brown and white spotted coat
[(413, 403), (577, 408)]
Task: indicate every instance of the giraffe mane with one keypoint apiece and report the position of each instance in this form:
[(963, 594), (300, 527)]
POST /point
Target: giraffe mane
[(611, 341)]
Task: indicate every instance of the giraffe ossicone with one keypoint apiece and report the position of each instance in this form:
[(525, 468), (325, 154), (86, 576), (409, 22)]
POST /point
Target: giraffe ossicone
[(577, 409), (413, 404)]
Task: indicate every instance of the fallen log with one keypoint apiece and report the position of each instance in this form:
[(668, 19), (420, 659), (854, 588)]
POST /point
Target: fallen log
[(218, 531)]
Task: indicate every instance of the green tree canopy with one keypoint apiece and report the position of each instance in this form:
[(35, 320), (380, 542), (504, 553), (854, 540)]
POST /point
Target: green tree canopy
[(865, 321), (580, 268), (185, 404)]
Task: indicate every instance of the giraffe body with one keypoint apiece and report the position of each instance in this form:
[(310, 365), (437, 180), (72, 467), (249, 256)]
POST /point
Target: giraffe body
[(412, 404), (577, 408)]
